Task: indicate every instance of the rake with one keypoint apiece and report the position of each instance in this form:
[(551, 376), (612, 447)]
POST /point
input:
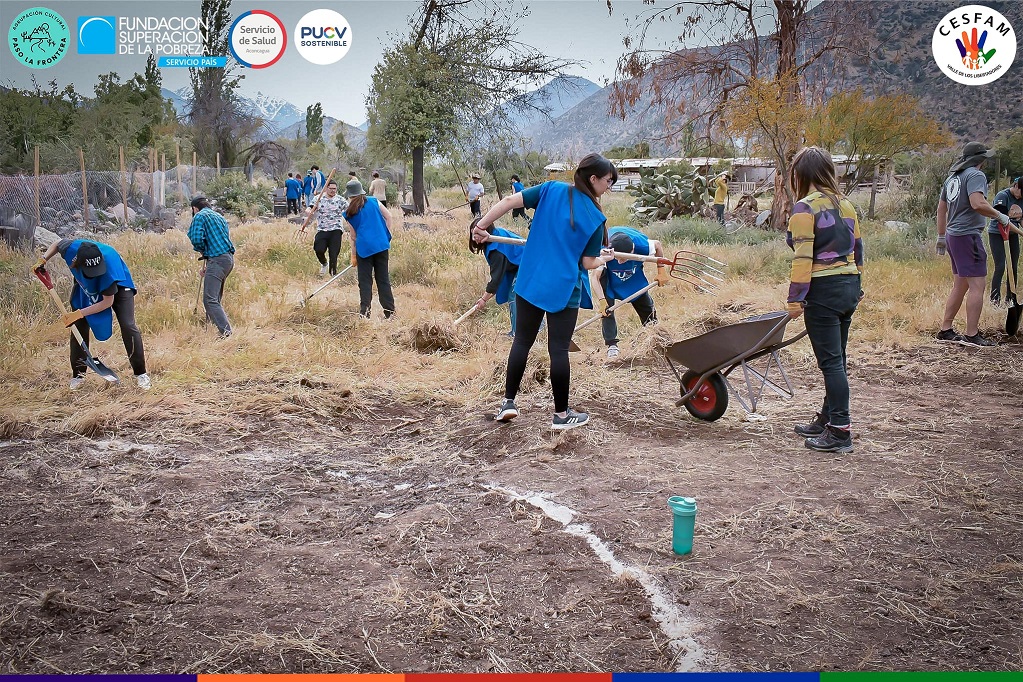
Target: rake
[(694, 268)]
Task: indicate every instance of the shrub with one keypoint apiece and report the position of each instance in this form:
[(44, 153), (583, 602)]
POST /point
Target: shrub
[(235, 194)]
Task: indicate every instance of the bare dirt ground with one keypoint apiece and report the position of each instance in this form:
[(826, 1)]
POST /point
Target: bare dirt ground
[(346, 532)]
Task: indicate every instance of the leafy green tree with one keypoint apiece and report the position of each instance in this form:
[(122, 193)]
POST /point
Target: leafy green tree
[(314, 123)]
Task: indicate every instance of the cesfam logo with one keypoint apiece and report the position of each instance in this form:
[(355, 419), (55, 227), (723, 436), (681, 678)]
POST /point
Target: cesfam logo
[(323, 36), (974, 45)]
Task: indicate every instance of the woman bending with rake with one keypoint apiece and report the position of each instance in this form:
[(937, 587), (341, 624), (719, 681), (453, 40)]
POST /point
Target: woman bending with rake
[(565, 239), (825, 287)]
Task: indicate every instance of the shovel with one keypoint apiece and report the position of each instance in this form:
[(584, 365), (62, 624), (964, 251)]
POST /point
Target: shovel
[(95, 365), (572, 348), (1012, 317)]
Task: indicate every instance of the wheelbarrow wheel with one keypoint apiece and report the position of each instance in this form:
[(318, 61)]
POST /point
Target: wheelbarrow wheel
[(710, 401)]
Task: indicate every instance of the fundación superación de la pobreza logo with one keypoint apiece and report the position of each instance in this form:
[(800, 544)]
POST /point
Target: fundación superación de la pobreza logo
[(38, 37), (323, 36), (97, 35), (974, 45)]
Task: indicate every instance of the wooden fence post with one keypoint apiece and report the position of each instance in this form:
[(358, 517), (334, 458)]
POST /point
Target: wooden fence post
[(124, 187), (177, 169), (218, 164), (163, 179), (195, 174), (85, 188)]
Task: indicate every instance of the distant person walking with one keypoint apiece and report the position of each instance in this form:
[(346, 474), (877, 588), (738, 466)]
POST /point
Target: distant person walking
[(962, 207), (517, 188), (209, 236), (330, 226), (293, 189), (1010, 202), (378, 188), (371, 241), (474, 191), (825, 287), (720, 196), (307, 188)]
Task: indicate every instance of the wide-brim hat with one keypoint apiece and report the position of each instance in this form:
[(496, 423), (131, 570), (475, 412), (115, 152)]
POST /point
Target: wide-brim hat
[(973, 153), (89, 260), (475, 176), (354, 189)]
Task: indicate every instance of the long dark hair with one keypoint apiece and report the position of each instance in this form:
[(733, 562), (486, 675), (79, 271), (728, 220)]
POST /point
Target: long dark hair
[(473, 246), (812, 166), (355, 204), (593, 164)]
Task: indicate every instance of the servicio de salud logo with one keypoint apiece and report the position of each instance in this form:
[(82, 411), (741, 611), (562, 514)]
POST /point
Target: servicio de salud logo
[(38, 37)]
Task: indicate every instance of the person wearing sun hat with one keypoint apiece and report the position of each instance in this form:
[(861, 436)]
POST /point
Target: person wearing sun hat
[(371, 241), (103, 289), (475, 191), (962, 207)]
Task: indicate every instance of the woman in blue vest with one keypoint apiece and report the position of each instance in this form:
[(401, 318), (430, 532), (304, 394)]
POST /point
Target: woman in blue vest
[(565, 240), (504, 262), (622, 278), (517, 187), (371, 238), (103, 288)]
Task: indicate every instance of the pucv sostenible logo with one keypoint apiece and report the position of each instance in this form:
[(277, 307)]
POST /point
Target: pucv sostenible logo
[(974, 45)]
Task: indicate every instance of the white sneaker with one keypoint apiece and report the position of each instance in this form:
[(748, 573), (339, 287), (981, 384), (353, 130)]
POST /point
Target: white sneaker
[(323, 270), (612, 352), (76, 383), (143, 380)]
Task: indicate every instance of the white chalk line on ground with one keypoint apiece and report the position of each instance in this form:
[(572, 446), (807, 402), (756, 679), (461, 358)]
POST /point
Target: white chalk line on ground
[(676, 626)]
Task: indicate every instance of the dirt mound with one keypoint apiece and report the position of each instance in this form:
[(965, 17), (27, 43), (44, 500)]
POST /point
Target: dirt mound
[(430, 338)]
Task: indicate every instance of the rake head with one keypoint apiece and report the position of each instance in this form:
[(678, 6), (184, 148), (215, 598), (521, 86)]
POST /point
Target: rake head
[(697, 269)]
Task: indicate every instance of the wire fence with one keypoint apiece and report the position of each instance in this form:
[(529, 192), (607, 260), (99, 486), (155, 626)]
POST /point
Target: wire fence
[(63, 200)]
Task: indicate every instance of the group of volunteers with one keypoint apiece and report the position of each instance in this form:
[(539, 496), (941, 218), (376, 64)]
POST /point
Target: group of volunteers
[(545, 280)]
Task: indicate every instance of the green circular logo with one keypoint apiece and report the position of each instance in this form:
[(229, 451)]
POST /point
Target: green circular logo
[(39, 37)]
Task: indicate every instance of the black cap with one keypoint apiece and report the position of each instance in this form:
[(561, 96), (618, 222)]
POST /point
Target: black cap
[(623, 243), (89, 260)]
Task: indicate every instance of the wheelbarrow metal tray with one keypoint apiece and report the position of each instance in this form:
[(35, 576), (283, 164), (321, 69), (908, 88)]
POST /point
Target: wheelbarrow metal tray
[(729, 343)]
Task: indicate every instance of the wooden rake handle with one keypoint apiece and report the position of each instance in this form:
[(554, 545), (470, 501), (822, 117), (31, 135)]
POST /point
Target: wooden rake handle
[(318, 197), (618, 254)]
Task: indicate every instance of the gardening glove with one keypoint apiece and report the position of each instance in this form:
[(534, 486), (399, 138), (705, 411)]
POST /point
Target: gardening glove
[(662, 276), (795, 309), (939, 247), (606, 309), (68, 319), (40, 265), (1015, 213), (1002, 219)]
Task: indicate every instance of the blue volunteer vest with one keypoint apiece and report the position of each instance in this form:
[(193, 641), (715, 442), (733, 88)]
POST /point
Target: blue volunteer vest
[(550, 271), (87, 290), (371, 233), (513, 253), (625, 279)]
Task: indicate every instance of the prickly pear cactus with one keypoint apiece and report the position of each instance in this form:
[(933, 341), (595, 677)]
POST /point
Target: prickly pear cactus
[(664, 196)]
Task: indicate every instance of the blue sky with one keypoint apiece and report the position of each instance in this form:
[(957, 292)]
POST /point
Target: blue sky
[(575, 29)]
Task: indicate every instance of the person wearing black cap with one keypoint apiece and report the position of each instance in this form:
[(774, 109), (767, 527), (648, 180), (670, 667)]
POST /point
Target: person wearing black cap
[(210, 237), (962, 207), (474, 191), (103, 289), (620, 279)]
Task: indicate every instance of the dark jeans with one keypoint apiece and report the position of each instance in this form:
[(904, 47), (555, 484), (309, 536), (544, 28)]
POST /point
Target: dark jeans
[(644, 307), (519, 213), (293, 206), (217, 270), (998, 254), (375, 266), (719, 211), (830, 305), (124, 311), (474, 206), (560, 326), (328, 240)]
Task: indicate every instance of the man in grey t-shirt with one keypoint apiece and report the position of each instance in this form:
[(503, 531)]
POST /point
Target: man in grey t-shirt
[(962, 207)]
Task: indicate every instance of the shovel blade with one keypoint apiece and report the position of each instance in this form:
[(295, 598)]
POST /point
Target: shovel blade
[(97, 366), (572, 348), (1012, 317)]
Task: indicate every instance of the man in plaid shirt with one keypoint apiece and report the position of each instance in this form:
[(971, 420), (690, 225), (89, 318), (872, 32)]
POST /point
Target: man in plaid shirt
[(209, 236)]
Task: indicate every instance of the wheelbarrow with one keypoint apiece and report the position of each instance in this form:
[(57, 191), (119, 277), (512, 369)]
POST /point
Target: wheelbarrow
[(709, 359)]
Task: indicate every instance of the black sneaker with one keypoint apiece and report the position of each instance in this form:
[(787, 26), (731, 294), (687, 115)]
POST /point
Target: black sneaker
[(571, 420), (976, 341), (813, 429), (949, 336), (832, 440), (507, 412)]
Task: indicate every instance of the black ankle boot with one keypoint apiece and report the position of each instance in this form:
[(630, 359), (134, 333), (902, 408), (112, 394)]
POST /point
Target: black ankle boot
[(813, 429), (832, 440)]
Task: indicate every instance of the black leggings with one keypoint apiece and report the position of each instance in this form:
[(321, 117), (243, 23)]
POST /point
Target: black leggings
[(328, 240), (998, 256), (560, 326), (124, 311)]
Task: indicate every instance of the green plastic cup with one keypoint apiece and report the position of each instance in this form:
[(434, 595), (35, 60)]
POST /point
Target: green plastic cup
[(683, 510)]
